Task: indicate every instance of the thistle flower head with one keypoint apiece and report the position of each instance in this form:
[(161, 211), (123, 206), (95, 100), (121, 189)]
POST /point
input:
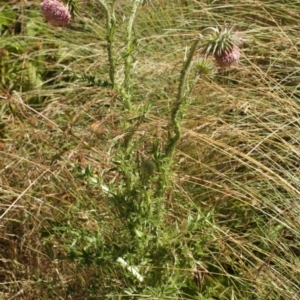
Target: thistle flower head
[(223, 45), (55, 12), (229, 58)]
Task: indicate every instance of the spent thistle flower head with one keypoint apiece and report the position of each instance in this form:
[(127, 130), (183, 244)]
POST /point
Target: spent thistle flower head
[(223, 45), (55, 12)]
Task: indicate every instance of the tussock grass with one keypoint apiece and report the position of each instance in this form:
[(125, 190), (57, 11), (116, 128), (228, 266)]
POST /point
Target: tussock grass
[(229, 224)]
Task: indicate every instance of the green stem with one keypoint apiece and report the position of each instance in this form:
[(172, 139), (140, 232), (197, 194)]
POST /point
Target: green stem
[(180, 105), (177, 115), (129, 47), (111, 26)]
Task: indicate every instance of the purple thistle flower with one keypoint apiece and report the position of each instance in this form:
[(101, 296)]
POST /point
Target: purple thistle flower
[(223, 44), (55, 12), (228, 58)]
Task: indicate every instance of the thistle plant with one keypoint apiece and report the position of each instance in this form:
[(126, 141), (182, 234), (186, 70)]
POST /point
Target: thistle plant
[(137, 176), (139, 195), (223, 44), (55, 12)]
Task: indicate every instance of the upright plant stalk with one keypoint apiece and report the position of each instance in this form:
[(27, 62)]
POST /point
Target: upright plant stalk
[(111, 26), (129, 45), (180, 104), (224, 46), (177, 115), (129, 48)]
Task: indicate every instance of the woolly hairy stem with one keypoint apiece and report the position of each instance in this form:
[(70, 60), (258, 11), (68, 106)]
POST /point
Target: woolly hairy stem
[(180, 104), (111, 25)]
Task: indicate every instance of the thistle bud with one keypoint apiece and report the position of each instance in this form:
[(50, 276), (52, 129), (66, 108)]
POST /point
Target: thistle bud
[(55, 12), (205, 67)]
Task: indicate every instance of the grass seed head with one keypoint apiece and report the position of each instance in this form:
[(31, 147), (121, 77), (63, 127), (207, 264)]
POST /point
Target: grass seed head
[(55, 12)]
